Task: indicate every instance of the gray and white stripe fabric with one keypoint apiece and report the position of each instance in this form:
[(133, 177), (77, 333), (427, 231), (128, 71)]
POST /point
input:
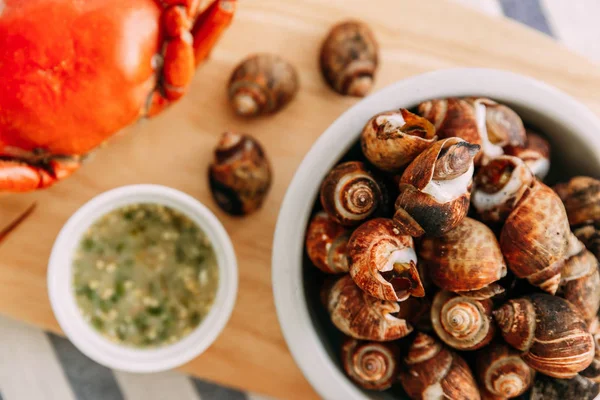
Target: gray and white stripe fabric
[(37, 366)]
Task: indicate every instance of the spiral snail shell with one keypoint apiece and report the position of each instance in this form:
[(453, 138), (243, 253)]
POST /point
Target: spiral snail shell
[(593, 371), (465, 258), (464, 321), (371, 365), (549, 331), (580, 280), (390, 140), (435, 189), (535, 153), (581, 197), (349, 57), (502, 372), (479, 121), (499, 185), (434, 372), (350, 193), (576, 388), (240, 175), (364, 317), (326, 244), (383, 262), (262, 84), (535, 237)]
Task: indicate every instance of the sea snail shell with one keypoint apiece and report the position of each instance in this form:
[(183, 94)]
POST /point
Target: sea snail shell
[(240, 175), (326, 244), (364, 317), (350, 194), (576, 388), (371, 365), (593, 371), (464, 321), (349, 58), (479, 121), (466, 258), (383, 262), (262, 84), (550, 333), (392, 139), (581, 197), (580, 280), (502, 372), (434, 372), (499, 185), (535, 153), (535, 237), (435, 189)]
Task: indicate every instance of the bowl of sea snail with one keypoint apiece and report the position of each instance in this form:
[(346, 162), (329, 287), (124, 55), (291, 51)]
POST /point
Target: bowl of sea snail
[(440, 240)]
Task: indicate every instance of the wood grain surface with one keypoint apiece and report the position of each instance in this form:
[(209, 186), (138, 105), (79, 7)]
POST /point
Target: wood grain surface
[(175, 148)]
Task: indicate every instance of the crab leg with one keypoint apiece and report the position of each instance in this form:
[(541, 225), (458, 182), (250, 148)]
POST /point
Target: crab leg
[(18, 176), (210, 25), (186, 46)]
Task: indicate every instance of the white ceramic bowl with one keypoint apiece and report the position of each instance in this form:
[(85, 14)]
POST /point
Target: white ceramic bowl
[(90, 342), (573, 130)]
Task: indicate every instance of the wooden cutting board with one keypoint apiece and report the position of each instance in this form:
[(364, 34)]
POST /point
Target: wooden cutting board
[(174, 149)]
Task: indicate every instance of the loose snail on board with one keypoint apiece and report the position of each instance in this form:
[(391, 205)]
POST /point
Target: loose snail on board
[(349, 58), (475, 282), (240, 175), (262, 84)]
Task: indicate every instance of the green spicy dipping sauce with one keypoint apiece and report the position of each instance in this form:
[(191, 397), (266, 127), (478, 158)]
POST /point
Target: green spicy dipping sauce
[(145, 275)]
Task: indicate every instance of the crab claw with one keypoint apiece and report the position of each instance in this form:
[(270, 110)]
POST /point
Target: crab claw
[(210, 25), (185, 48), (18, 176)]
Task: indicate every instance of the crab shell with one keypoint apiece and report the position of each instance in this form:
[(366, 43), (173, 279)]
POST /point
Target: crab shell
[(361, 316), (76, 72)]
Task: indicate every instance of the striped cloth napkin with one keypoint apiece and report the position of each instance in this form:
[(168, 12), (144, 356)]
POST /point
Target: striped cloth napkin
[(41, 366)]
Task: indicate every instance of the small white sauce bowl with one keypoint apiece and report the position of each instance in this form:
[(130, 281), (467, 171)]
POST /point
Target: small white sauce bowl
[(92, 343)]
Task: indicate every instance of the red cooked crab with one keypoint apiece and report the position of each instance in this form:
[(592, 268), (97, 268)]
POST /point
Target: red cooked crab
[(74, 72)]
